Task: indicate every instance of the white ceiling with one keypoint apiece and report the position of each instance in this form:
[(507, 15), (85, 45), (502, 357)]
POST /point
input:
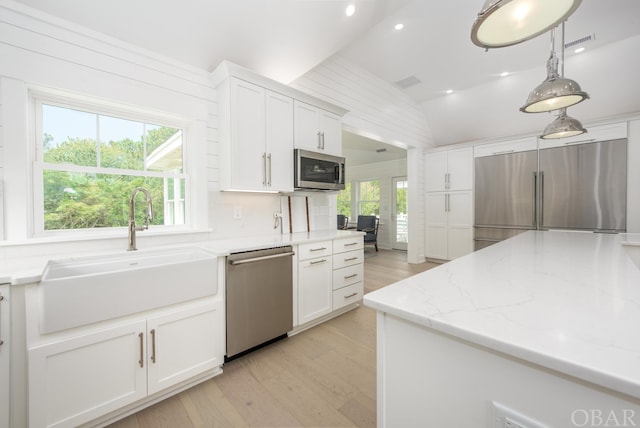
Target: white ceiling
[(283, 39)]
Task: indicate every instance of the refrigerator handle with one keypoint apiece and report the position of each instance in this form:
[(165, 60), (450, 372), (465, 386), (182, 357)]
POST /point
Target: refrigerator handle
[(535, 197), (541, 198)]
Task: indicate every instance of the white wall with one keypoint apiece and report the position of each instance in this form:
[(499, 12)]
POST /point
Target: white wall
[(383, 171), (491, 111)]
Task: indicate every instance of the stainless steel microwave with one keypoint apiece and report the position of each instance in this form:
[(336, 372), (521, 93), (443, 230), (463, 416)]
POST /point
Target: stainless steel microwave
[(317, 171)]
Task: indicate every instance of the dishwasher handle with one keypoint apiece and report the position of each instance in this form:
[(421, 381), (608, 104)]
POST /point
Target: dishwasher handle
[(257, 259)]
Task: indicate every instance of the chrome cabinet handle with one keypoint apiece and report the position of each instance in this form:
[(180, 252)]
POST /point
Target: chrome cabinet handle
[(264, 170), (351, 276), (350, 259), (141, 360), (318, 249), (153, 345), (269, 162), (319, 140), (535, 197), (318, 261), (350, 244), (322, 137), (351, 295)]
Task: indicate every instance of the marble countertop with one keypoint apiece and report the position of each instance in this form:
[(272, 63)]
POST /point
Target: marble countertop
[(25, 270), (568, 301)]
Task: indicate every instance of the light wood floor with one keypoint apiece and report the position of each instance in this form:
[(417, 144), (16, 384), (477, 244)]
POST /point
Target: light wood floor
[(325, 376)]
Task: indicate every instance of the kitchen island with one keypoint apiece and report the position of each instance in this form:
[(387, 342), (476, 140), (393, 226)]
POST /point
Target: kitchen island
[(546, 324)]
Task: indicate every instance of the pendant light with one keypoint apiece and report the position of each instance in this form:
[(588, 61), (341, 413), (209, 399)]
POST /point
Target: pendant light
[(563, 126), (556, 91), (503, 23)]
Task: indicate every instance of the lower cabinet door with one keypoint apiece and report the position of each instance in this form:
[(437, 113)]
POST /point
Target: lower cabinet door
[(183, 344), (76, 380), (314, 288)]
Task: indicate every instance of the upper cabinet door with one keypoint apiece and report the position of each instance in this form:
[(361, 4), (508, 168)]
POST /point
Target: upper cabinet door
[(435, 171), (279, 147), (460, 169), (316, 129), (247, 139), (331, 128)]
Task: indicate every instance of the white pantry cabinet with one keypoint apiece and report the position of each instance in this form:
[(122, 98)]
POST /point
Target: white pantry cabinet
[(449, 203), (316, 129), (315, 291), (105, 367), (256, 137), (5, 370)]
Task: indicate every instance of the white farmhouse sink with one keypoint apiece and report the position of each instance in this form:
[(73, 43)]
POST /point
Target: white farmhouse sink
[(80, 291)]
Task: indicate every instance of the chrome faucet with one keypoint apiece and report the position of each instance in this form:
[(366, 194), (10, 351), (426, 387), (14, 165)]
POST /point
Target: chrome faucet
[(132, 217)]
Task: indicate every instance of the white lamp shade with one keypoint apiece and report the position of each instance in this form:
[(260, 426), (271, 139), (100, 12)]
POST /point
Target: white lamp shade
[(508, 22)]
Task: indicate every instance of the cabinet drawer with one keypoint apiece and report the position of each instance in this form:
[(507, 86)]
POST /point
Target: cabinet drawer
[(347, 276), (347, 295), (348, 259), (521, 145), (348, 244), (315, 249)]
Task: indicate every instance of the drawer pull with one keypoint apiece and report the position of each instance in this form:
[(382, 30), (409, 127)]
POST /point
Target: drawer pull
[(350, 244), (350, 259), (318, 249), (318, 261), (141, 360), (153, 346), (351, 295), (351, 276)]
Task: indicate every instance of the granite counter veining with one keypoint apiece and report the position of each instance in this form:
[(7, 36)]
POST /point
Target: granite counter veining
[(568, 301), (25, 270)]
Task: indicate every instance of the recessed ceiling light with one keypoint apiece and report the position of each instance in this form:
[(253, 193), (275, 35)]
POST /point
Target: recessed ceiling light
[(504, 74), (579, 50), (399, 26), (351, 9), (449, 91)]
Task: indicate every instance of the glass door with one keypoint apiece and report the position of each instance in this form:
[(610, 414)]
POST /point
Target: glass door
[(399, 216)]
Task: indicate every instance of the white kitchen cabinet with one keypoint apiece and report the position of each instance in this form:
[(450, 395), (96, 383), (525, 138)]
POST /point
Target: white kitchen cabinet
[(183, 344), (101, 369), (81, 378), (348, 271), (5, 369), (256, 137), (449, 170), (505, 147), (449, 203), (315, 291), (448, 224), (317, 129)]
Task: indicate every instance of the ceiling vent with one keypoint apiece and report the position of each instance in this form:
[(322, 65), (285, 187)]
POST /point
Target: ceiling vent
[(582, 40), (408, 82)]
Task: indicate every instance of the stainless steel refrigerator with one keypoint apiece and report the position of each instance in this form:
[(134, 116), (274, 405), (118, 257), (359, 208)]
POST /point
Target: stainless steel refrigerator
[(576, 187)]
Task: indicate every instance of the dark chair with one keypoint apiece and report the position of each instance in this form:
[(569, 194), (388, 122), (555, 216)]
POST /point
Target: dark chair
[(369, 224), (343, 221)]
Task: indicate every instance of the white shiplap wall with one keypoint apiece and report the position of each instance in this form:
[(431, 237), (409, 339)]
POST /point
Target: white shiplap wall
[(376, 109), (1, 172), (47, 54)]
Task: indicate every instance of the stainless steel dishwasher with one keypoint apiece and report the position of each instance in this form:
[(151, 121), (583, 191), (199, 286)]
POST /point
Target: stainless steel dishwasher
[(259, 295)]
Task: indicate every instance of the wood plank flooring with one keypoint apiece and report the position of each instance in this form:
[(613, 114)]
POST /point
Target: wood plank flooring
[(322, 377)]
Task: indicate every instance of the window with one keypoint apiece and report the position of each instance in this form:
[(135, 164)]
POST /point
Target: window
[(88, 162), (344, 200), (369, 198)]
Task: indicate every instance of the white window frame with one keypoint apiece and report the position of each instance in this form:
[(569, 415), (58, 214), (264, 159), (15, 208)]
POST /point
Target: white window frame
[(38, 98), (359, 201)]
